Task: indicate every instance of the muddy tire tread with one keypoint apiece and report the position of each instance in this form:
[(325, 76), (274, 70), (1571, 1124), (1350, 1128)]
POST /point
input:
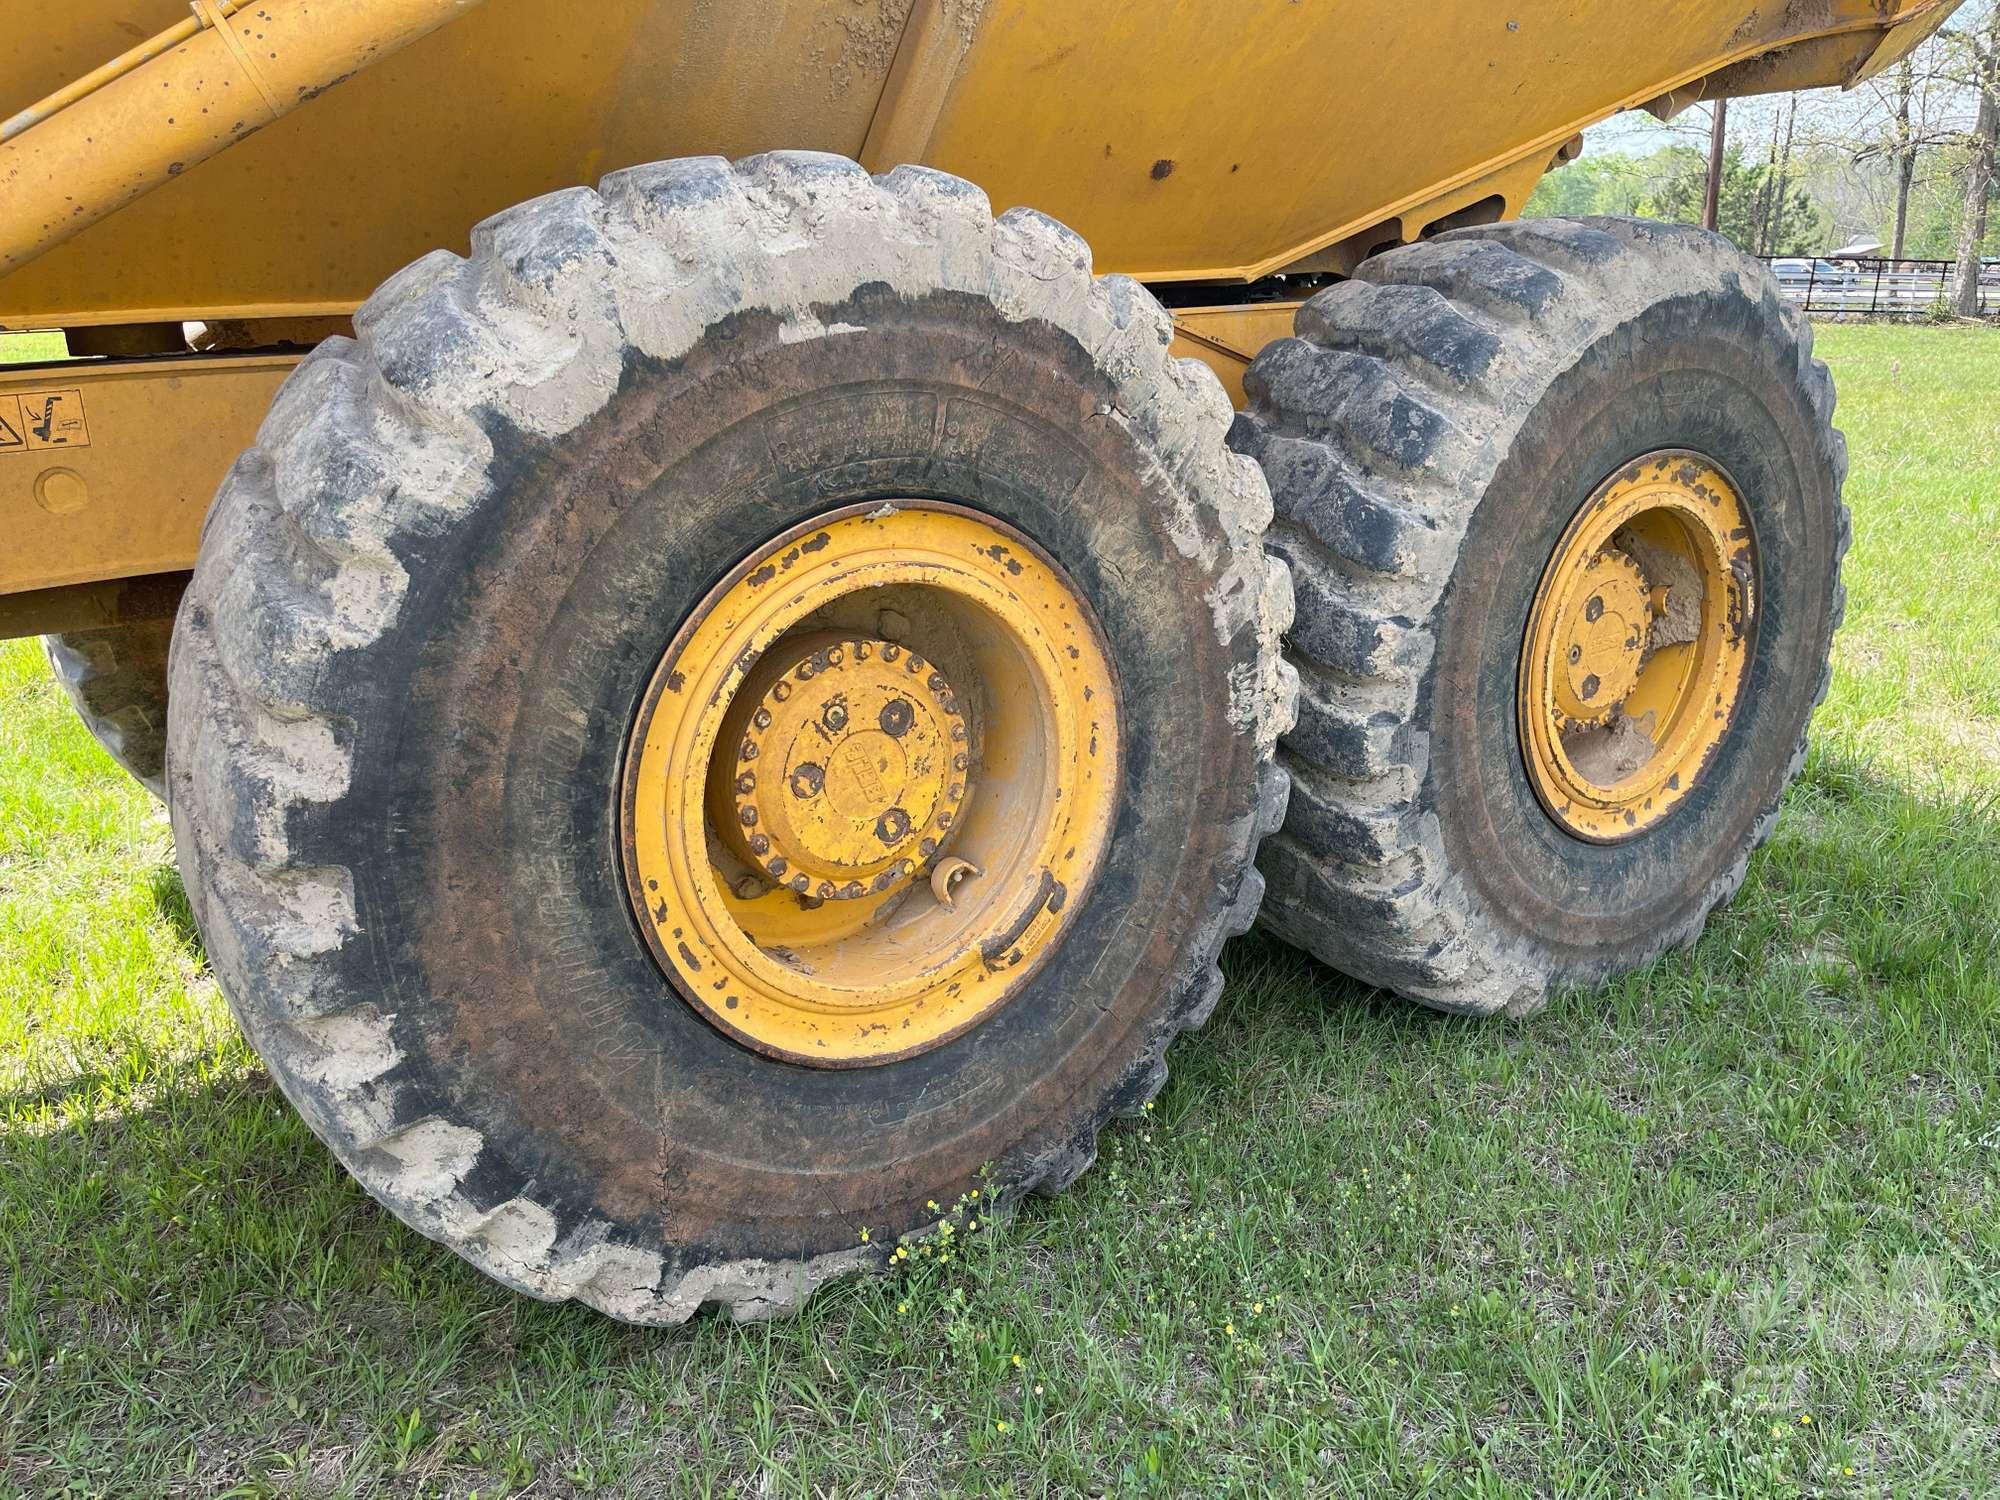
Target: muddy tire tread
[(116, 679), (1377, 425), (299, 564)]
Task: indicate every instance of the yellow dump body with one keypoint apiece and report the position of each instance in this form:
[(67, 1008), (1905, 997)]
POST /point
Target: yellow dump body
[(1197, 140), (259, 166)]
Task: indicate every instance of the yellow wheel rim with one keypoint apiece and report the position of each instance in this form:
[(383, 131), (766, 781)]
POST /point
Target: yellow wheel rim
[(870, 783), (1638, 643)]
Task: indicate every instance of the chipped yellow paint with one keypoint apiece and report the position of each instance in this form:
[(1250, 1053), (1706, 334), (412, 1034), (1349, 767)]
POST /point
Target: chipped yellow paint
[(1638, 644), (866, 696)]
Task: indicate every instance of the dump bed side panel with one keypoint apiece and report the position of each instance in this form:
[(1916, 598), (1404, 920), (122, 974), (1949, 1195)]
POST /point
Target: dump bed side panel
[(1206, 138), (1228, 140), (517, 99)]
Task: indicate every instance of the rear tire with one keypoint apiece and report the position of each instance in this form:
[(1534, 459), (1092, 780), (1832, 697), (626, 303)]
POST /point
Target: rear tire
[(1429, 436), (430, 601), (117, 679)]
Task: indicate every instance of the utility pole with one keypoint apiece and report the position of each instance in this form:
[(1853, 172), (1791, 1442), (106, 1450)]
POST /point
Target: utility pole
[(1711, 205)]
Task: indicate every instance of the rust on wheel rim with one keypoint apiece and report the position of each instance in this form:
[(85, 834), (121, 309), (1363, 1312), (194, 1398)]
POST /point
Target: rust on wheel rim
[(871, 782), (1638, 645)]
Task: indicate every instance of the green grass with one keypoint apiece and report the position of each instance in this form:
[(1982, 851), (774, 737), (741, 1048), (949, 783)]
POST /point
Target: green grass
[(1729, 1226), (1917, 692)]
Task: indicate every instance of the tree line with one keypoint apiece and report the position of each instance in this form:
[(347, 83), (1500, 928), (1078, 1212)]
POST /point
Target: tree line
[(1910, 159)]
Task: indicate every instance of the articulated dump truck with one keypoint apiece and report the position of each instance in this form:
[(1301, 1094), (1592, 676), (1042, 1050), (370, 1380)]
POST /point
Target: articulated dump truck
[(705, 715)]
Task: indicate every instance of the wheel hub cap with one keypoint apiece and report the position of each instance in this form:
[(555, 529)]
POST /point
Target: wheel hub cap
[(871, 782), (852, 767), (1606, 618), (1638, 645)]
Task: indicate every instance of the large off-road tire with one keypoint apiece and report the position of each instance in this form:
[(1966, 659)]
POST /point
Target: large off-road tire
[(1431, 435), (428, 607), (117, 679)]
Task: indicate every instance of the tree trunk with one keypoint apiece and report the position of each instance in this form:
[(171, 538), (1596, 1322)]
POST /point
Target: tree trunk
[(1760, 243), (1775, 240), (1978, 181), (1906, 155), (1718, 138)]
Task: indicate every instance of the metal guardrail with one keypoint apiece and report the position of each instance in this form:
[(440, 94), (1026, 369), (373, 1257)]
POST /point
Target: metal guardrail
[(1896, 288)]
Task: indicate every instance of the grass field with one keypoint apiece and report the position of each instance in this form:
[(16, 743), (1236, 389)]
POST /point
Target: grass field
[(1730, 1226)]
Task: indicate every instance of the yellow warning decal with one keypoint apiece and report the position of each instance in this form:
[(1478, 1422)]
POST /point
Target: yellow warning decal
[(35, 421)]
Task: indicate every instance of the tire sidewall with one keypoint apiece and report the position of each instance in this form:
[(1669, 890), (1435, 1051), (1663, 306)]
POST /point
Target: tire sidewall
[(1715, 373), (490, 727)]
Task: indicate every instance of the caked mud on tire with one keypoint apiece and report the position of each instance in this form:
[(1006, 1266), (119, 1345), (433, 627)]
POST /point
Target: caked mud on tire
[(1428, 437), (431, 596), (117, 679)]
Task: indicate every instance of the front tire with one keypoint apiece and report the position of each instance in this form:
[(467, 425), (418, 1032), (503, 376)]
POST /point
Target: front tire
[(413, 730), (1440, 438)]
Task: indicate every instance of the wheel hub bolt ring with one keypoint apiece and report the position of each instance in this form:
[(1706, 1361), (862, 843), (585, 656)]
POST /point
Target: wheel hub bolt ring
[(865, 735)]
